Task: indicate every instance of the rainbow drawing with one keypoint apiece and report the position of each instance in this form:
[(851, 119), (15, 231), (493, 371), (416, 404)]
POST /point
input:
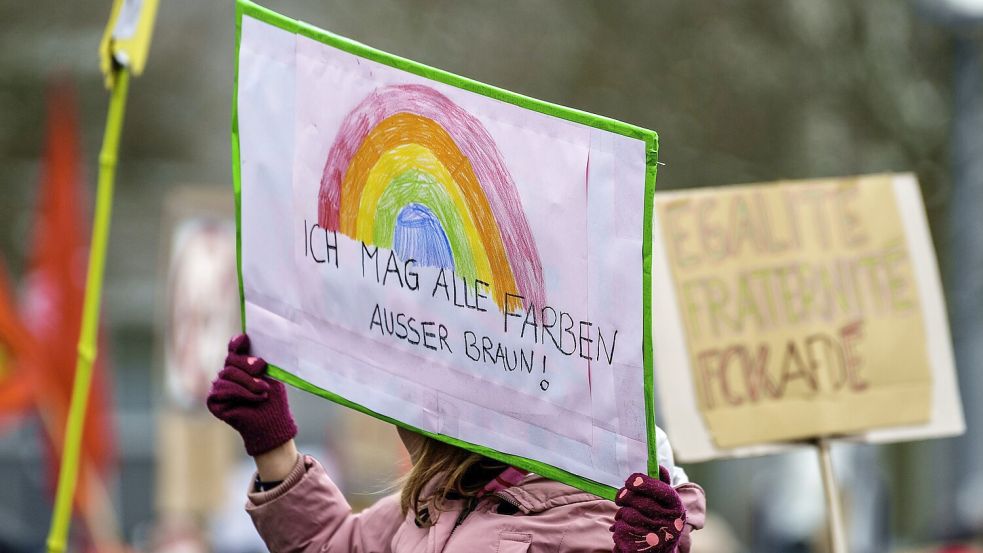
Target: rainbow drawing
[(412, 171)]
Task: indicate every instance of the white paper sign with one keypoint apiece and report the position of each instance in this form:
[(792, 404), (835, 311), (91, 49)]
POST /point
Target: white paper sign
[(456, 262)]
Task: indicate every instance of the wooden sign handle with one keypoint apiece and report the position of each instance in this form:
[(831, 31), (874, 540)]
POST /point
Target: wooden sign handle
[(834, 509)]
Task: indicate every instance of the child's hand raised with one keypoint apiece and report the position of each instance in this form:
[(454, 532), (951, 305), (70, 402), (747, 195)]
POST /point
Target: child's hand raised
[(251, 402), (651, 517)]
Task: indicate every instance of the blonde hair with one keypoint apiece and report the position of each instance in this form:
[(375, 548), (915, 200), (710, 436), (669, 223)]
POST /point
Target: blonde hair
[(460, 474)]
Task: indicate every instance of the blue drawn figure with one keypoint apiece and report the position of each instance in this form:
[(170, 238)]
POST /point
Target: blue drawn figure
[(420, 236)]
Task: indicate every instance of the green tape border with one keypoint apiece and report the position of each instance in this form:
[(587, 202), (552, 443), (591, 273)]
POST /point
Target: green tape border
[(650, 138)]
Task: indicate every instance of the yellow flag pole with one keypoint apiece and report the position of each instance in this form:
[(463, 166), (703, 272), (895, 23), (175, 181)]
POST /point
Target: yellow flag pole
[(88, 337)]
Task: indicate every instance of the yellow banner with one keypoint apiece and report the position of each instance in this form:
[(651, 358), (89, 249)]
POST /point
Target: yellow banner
[(126, 40), (800, 308)]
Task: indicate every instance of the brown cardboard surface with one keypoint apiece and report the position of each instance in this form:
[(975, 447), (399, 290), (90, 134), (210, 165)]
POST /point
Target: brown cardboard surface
[(800, 308), (195, 454)]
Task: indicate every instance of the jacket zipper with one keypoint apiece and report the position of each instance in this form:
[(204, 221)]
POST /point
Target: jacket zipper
[(473, 503), (467, 510), (508, 499)]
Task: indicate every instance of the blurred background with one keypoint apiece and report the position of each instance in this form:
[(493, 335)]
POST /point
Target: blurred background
[(739, 92)]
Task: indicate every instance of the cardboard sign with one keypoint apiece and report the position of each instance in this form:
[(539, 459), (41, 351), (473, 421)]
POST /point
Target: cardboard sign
[(798, 310), (449, 256)]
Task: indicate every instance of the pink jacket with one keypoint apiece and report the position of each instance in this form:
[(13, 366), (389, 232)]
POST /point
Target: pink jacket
[(308, 513)]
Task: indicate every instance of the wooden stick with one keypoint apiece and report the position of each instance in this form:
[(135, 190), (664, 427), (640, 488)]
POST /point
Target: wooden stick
[(834, 509)]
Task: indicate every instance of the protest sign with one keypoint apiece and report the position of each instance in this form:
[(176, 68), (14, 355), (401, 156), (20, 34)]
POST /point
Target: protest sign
[(446, 255), (799, 310), (126, 39), (198, 304)]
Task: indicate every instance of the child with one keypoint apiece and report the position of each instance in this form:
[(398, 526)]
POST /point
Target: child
[(452, 501)]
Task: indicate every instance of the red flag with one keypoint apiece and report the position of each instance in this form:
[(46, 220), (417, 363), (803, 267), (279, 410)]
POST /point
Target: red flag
[(54, 294), (16, 345)]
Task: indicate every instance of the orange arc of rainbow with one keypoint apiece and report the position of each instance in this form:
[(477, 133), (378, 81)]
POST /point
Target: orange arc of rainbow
[(408, 128)]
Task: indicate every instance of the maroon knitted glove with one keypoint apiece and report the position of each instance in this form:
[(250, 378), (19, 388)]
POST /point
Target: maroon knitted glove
[(651, 517), (251, 402)]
